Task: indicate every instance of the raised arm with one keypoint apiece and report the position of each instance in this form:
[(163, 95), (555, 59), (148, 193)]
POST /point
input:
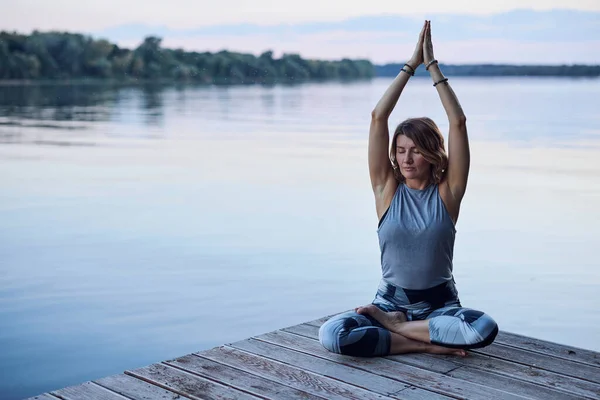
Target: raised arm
[(459, 157), (380, 167)]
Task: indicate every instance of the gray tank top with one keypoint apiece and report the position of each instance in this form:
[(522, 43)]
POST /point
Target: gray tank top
[(416, 238)]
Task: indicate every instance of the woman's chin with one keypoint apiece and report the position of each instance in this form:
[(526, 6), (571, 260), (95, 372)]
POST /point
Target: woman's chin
[(414, 176)]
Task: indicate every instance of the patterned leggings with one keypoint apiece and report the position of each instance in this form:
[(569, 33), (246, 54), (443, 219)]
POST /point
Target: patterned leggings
[(450, 325)]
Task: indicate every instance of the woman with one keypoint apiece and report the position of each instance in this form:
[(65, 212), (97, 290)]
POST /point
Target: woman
[(417, 197)]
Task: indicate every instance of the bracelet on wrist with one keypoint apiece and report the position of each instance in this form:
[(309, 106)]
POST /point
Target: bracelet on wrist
[(440, 81), (408, 72), (430, 63), (411, 72)]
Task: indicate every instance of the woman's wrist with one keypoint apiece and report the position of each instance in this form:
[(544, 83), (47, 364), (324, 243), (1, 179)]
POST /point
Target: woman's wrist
[(435, 71), (412, 64), (430, 63)]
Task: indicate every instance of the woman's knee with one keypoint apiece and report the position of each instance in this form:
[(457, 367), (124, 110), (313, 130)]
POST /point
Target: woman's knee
[(487, 328), (484, 327), (352, 334), (478, 329), (331, 332)]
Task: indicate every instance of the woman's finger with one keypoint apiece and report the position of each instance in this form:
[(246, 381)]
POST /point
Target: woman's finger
[(429, 30), (422, 34)]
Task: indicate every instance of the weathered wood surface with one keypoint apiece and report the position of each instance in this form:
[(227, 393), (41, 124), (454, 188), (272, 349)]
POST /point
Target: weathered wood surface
[(289, 375), (88, 390), (239, 379), (291, 364), (553, 349), (186, 384), (44, 396), (137, 389)]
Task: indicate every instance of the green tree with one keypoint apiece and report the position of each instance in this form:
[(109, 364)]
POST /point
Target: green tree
[(57, 55)]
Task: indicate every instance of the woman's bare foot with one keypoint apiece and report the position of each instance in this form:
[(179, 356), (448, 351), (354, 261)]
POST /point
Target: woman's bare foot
[(394, 321), (434, 349), (390, 320)]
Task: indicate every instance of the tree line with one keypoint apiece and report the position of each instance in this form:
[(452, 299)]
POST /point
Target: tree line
[(58, 55), (61, 55)]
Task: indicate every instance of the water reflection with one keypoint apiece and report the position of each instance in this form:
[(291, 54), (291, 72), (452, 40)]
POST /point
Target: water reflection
[(78, 102), (59, 113), (152, 96), (57, 102), (553, 112)]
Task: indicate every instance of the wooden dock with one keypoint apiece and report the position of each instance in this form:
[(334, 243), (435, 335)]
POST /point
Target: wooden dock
[(291, 364)]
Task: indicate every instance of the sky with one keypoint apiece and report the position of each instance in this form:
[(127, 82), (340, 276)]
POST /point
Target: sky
[(180, 23)]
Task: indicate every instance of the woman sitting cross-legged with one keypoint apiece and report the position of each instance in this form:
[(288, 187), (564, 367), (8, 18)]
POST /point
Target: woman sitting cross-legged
[(418, 190)]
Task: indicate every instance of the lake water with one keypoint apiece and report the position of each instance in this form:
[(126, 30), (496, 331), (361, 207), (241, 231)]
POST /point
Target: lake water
[(139, 224)]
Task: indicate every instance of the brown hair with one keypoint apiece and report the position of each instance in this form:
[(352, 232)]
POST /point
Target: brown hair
[(429, 141)]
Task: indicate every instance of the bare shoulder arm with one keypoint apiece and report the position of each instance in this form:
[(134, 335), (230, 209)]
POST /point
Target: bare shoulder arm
[(383, 181), (459, 155), (459, 159)]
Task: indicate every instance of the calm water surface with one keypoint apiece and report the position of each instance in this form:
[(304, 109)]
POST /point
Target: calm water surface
[(139, 224)]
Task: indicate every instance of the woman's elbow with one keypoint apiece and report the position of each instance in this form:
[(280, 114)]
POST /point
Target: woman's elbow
[(460, 120), (378, 115)]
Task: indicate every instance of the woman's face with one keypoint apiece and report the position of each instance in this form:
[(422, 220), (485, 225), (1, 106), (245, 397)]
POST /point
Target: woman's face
[(410, 160)]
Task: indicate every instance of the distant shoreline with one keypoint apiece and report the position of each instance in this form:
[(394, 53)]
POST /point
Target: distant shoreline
[(76, 58)]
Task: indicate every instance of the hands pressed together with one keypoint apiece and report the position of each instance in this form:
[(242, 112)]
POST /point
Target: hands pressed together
[(424, 51)]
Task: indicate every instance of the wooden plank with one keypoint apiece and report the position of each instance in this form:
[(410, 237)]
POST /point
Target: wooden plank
[(352, 376), (416, 393), (309, 331), (428, 380), (527, 373), (239, 379), (87, 390), (511, 385), (495, 365), (320, 321), (287, 375), (43, 396), (542, 361), (375, 383), (186, 384), (417, 360), (571, 353), (135, 388)]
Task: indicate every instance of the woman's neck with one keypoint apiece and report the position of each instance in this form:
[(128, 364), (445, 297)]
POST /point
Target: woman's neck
[(417, 184)]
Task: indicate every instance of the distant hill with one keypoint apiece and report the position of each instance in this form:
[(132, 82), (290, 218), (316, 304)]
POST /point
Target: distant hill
[(499, 70)]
